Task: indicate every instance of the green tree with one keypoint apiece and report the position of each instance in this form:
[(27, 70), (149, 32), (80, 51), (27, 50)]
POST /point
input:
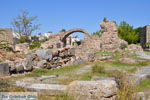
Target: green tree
[(97, 33), (63, 30), (105, 19), (24, 24), (128, 33)]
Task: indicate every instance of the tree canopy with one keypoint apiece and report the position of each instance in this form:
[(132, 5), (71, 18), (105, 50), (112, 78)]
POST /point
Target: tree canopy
[(97, 33), (63, 30), (128, 33), (24, 24)]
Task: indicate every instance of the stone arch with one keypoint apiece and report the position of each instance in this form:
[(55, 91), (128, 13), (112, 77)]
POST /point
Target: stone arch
[(71, 31)]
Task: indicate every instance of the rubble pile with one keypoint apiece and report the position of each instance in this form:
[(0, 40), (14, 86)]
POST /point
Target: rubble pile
[(43, 58)]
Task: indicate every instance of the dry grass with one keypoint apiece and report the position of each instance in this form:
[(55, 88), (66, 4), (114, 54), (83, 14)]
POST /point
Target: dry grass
[(7, 86), (126, 87)]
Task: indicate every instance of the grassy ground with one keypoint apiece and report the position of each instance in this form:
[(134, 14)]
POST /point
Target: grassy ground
[(100, 68), (144, 85)]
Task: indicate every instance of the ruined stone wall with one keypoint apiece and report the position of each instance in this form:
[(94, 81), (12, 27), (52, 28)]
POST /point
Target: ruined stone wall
[(148, 33), (6, 35), (145, 36), (53, 42), (109, 41)]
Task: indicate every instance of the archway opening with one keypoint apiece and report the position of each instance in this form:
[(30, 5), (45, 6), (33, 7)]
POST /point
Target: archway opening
[(74, 37)]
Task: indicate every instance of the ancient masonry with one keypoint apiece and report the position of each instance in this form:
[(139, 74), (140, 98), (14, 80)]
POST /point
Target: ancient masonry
[(55, 54), (6, 35), (145, 36), (109, 41)]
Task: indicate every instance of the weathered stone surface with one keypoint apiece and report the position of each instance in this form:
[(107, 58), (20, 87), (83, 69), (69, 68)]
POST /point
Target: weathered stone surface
[(20, 68), (102, 57), (28, 63), (108, 26), (109, 39), (23, 47), (129, 60), (79, 61), (49, 89), (140, 96), (93, 90), (6, 34), (42, 64), (4, 69), (141, 74), (44, 54), (134, 48), (71, 51), (97, 78)]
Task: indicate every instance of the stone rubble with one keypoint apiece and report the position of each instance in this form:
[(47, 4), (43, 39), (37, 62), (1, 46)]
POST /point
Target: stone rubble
[(4, 69), (133, 48), (53, 52), (22, 48)]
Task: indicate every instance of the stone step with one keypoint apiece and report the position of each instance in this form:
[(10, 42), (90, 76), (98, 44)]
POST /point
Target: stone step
[(49, 89)]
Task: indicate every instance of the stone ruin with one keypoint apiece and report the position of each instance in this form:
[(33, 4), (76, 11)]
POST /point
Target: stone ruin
[(145, 37), (109, 41), (54, 53)]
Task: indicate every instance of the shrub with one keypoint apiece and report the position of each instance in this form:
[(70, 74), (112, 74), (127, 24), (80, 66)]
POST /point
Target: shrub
[(123, 46), (6, 46), (24, 39), (105, 19), (98, 69), (35, 44), (128, 33), (44, 40), (98, 33), (50, 47)]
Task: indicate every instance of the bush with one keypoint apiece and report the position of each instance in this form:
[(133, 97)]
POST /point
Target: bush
[(44, 40), (98, 69), (123, 46), (50, 47), (105, 19), (6, 46), (24, 39), (98, 33), (128, 33), (35, 44)]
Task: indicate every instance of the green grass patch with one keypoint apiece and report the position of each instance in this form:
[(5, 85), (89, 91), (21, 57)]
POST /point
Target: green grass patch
[(56, 71), (88, 76), (1, 60), (115, 64), (104, 53), (145, 84)]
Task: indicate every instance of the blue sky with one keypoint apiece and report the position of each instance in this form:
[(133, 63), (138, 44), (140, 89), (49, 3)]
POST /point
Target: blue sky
[(53, 15)]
